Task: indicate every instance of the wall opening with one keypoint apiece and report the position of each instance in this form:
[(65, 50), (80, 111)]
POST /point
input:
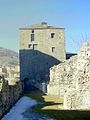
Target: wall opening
[(53, 49), (52, 35)]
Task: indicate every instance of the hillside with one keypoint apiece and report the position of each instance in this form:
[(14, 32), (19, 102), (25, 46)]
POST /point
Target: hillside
[(8, 57)]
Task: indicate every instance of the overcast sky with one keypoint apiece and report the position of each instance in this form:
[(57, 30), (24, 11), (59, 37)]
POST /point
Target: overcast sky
[(73, 15)]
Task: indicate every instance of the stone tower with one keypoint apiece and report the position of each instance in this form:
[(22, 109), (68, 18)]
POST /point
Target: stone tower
[(41, 47)]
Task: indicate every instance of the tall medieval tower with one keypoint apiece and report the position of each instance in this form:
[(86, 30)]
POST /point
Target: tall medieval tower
[(41, 47)]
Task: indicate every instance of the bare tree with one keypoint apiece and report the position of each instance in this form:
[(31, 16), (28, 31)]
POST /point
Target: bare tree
[(80, 41)]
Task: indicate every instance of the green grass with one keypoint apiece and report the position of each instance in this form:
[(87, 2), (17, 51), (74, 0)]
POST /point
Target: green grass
[(50, 107)]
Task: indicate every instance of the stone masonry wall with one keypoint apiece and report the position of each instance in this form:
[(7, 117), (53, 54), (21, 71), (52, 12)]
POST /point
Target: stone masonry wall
[(62, 77), (73, 80), (39, 54), (9, 94)]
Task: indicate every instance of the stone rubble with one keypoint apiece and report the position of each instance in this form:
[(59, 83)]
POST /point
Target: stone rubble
[(71, 80)]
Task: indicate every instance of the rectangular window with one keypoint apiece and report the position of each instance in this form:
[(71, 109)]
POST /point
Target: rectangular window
[(29, 45), (32, 37), (53, 49), (52, 35), (32, 31), (34, 46), (35, 52)]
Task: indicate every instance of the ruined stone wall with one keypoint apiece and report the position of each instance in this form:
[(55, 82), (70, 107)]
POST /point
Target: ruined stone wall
[(62, 77), (73, 80), (9, 94)]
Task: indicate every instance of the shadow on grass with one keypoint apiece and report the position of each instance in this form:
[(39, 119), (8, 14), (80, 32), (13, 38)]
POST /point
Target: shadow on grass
[(57, 114), (65, 114)]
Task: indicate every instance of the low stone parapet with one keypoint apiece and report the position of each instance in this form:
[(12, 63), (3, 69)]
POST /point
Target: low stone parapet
[(10, 92)]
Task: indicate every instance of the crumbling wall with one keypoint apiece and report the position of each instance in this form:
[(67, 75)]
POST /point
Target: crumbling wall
[(80, 96), (9, 94), (62, 77), (73, 79)]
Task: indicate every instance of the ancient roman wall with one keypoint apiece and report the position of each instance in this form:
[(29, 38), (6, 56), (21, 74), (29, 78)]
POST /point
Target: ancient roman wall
[(10, 92), (73, 80)]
